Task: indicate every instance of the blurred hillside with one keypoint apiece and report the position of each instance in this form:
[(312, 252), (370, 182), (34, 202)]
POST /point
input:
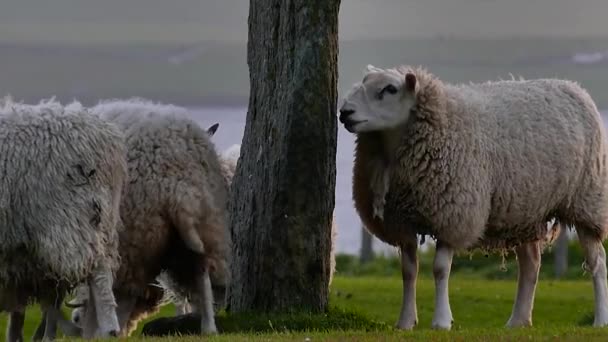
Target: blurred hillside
[(193, 52)]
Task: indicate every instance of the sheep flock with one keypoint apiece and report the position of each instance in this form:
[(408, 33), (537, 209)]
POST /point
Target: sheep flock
[(123, 206)]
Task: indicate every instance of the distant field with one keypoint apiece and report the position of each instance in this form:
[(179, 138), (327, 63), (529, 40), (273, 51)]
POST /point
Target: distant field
[(217, 73), (563, 309)]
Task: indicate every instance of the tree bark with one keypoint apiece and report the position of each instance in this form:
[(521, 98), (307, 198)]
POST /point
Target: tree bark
[(283, 192)]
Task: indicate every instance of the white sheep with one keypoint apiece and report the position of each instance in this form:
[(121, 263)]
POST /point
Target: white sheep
[(478, 166), (62, 174), (174, 211)]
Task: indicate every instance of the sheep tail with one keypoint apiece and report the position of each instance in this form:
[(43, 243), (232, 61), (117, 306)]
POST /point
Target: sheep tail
[(185, 219)]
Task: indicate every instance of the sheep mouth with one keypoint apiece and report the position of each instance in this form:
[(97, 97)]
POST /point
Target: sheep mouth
[(350, 124)]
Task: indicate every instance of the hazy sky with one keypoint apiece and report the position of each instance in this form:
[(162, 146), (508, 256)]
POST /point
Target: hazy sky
[(189, 20)]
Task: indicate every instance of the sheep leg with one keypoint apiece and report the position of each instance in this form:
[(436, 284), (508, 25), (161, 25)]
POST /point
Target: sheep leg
[(123, 312), (409, 272), (103, 301), (182, 308), (528, 260), (442, 264), (50, 329), (39, 333), (14, 331), (206, 304), (595, 263)]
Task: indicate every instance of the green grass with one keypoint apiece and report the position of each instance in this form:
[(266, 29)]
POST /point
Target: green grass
[(365, 309)]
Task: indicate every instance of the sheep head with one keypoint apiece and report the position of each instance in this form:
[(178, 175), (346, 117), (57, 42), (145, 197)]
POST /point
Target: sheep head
[(381, 101)]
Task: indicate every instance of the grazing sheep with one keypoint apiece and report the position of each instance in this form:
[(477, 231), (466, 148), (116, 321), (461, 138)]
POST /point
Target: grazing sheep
[(229, 160), (62, 177), (173, 293), (478, 166), (173, 209)]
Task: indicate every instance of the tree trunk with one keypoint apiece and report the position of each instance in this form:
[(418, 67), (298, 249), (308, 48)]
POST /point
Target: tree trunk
[(561, 253), (283, 192), (367, 252)]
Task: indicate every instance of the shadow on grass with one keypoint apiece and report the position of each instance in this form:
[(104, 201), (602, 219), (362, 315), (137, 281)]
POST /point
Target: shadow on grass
[(335, 319)]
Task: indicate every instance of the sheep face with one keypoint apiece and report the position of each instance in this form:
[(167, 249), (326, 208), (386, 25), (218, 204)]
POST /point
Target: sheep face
[(381, 101), (78, 304)]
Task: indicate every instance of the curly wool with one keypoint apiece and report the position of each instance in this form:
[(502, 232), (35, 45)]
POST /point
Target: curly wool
[(175, 177), (482, 165), (62, 176)]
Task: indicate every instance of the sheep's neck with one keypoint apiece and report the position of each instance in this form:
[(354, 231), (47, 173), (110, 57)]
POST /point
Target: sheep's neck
[(390, 142)]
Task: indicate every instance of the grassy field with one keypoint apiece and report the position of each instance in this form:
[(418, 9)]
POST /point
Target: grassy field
[(481, 308)]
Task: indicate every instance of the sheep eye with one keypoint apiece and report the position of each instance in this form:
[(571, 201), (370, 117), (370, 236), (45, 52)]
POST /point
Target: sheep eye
[(390, 89)]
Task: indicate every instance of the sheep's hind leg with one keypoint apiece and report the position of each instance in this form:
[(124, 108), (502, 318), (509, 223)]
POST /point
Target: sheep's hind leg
[(442, 317), (409, 271), (125, 307), (595, 263), (14, 331), (182, 307), (528, 260)]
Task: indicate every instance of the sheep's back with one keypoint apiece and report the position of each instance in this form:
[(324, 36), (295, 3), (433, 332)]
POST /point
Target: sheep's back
[(542, 138), (510, 156), (171, 160), (61, 178)]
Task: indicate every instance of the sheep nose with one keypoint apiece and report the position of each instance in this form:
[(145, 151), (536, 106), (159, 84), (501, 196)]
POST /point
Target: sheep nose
[(345, 113)]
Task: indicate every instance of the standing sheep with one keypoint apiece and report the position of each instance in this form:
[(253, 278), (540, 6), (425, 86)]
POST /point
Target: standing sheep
[(478, 166), (173, 209), (62, 177)]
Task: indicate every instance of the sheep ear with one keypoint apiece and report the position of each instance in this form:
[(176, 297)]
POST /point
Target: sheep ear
[(371, 68), (211, 130), (410, 82)]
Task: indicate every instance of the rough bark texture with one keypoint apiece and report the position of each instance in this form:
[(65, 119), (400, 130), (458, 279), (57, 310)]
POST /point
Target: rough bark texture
[(283, 191)]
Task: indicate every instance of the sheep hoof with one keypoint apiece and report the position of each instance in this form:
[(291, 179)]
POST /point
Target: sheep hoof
[(442, 324), (600, 322), (209, 330), (519, 323), (406, 324)]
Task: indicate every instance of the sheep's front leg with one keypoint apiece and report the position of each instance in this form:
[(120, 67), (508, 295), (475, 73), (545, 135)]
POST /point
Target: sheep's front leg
[(206, 304), (103, 303), (409, 271), (595, 263), (39, 333), (14, 331), (528, 261), (442, 317), (50, 329)]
